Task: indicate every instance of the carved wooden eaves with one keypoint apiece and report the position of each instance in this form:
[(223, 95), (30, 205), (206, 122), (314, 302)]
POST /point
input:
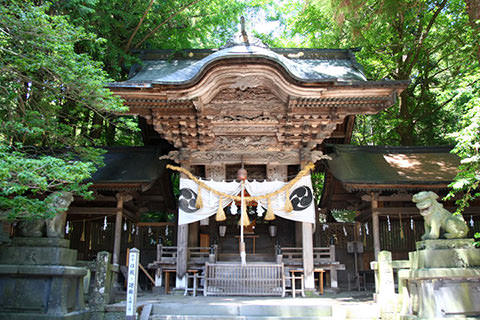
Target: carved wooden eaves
[(245, 108)]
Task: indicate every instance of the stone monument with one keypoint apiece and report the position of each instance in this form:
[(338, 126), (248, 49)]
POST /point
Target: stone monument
[(38, 277), (444, 277)]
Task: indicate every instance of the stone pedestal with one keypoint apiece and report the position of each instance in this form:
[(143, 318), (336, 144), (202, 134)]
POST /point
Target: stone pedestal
[(444, 280), (39, 280)]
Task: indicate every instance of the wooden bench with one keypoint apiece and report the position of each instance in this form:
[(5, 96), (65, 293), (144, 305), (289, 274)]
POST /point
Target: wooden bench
[(249, 280), (323, 258), (167, 259)]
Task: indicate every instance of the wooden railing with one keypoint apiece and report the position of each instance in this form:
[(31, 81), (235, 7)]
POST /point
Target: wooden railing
[(196, 256), (248, 280), (323, 257)]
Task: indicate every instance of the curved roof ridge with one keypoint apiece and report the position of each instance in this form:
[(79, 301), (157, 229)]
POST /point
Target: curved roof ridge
[(303, 70)]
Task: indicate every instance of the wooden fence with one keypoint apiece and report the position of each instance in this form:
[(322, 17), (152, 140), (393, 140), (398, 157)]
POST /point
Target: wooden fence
[(249, 280)]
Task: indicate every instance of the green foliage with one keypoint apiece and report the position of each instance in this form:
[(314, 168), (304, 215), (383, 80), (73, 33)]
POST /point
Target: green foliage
[(318, 181), (429, 42), (467, 145), (46, 88), (344, 215), (157, 217)]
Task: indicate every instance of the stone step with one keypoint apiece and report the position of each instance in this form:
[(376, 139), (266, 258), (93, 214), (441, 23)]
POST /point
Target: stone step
[(242, 310), (223, 317)]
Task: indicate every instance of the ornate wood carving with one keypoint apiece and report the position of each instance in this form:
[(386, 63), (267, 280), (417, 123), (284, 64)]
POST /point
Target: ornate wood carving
[(277, 172), (263, 157), (252, 109), (215, 172)]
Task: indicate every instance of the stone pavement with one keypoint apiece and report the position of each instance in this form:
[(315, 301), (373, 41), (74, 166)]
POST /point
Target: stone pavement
[(344, 305)]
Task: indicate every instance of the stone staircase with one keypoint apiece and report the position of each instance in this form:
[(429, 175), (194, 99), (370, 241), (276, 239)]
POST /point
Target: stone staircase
[(263, 312), (353, 305), (248, 308)]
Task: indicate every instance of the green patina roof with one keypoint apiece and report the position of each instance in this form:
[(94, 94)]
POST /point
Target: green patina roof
[(130, 165), (314, 65), (409, 166)]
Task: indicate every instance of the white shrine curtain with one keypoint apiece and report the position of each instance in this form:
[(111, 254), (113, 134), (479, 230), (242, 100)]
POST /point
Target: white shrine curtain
[(300, 194)]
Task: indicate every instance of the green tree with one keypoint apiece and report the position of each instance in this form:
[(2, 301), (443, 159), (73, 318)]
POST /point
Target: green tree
[(429, 42), (46, 90)]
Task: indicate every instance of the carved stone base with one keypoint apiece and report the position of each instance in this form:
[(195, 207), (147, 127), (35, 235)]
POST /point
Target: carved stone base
[(38, 280), (444, 280)]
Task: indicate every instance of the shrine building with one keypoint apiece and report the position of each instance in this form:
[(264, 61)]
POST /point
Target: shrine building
[(271, 109), (212, 111)]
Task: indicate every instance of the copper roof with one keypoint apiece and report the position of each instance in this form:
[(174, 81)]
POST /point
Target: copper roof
[(391, 167)]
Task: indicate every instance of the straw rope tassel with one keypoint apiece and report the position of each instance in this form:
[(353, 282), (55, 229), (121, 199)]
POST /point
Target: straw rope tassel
[(199, 202), (246, 221), (288, 203), (82, 237), (220, 213), (269, 215), (283, 189)]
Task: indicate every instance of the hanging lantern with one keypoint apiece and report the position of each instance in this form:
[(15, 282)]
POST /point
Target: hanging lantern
[(67, 227), (411, 223), (389, 225), (125, 226), (222, 230), (472, 223), (272, 230), (366, 228), (105, 223)]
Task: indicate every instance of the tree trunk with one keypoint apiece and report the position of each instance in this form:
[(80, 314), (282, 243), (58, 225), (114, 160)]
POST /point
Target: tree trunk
[(473, 10), (406, 127)]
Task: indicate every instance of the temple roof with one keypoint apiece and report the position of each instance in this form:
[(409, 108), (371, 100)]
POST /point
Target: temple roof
[(304, 65), (375, 168), (125, 165)]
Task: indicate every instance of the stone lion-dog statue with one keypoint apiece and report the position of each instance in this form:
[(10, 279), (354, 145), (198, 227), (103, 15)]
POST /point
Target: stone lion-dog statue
[(436, 217)]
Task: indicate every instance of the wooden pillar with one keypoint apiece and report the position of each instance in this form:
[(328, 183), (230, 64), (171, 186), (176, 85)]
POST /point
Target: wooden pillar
[(182, 250), (118, 229), (307, 239), (298, 234), (375, 225), (307, 246), (193, 229)]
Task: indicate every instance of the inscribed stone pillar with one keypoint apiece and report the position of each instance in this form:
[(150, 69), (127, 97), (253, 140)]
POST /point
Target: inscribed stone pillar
[(386, 285)]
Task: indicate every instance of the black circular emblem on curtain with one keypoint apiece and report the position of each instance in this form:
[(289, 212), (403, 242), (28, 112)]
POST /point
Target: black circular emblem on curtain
[(187, 200), (301, 198)]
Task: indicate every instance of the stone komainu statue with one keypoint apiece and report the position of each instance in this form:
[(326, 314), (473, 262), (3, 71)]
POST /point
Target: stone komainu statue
[(53, 227), (437, 217)]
